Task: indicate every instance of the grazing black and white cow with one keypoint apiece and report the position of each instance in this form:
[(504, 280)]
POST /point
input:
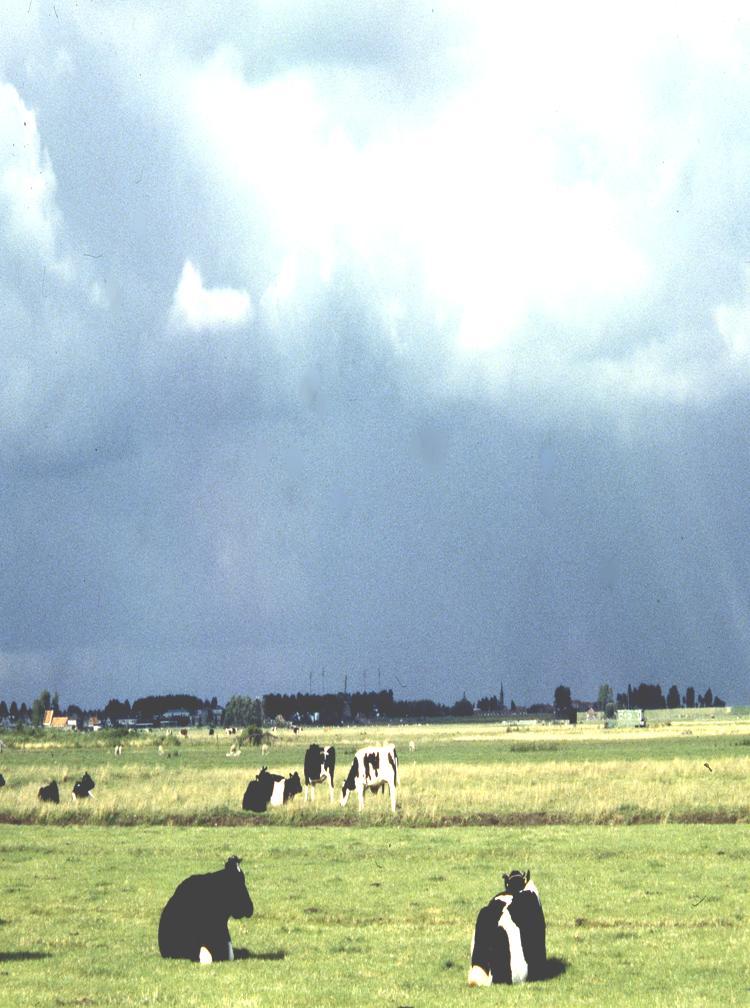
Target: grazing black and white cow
[(270, 789), (372, 768), (49, 792), (193, 924), (320, 763), (509, 943), (83, 787)]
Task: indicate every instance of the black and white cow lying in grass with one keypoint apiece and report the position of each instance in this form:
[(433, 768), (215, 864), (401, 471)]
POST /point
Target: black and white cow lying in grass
[(49, 792), (320, 763), (372, 768), (509, 943), (83, 787), (193, 924), (270, 789)]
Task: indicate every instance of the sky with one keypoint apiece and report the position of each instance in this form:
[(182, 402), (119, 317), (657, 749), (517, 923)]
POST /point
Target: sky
[(408, 342)]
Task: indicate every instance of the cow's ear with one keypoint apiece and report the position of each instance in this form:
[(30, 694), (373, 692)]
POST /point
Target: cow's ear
[(506, 879), (527, 876)]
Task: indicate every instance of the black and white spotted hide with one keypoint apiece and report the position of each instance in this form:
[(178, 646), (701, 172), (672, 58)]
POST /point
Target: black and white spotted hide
[(49, 793), (270, 789), (372, 768), (320, 764), (509, 943), (83, 787), (193, 924)]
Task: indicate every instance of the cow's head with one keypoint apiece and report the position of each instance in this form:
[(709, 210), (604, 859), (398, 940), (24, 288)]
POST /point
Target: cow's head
[(349, 783), (292, 785), (516, 881), (239, 903)]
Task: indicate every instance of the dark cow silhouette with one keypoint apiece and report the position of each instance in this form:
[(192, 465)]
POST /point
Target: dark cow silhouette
[(270, 789), (2, 781), (509, 943), (49, 792), (83, 787), (193, 924), (320, 763)]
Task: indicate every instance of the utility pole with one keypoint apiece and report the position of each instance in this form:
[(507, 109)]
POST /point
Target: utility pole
[(323, 677), (365, 677), (345, 683), (309, 688)]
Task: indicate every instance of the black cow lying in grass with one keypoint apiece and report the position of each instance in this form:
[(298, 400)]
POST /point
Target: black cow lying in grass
[(83, 787), (509, 944), (193, 924), (270, 789), (49, 792)]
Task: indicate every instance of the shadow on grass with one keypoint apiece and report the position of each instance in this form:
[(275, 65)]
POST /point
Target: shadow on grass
[(22, 956), (554, 967), (240, 953)]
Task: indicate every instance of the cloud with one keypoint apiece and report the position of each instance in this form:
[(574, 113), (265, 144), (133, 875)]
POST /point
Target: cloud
[(28, 210), (197, 307)]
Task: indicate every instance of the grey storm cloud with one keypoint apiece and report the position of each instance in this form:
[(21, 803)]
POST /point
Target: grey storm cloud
[(335, 340)]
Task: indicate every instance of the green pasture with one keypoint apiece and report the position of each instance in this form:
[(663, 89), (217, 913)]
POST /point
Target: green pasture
[(455, 775), (636, 915)]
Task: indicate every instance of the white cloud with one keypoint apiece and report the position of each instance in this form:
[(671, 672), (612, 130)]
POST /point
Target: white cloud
[(28, 210), (197, 307)]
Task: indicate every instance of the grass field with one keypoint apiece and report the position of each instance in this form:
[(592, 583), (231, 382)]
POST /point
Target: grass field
[(380, 911)]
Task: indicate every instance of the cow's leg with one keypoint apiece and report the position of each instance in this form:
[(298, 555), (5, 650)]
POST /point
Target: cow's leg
[(204, 956), (392, 793), (361, 796), (230, 952), (331, 793)]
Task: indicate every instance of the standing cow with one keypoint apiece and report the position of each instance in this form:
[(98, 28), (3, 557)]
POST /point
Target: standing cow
[(193, 924), (270, 789), (372, 768), (320, 763), (509, 943)]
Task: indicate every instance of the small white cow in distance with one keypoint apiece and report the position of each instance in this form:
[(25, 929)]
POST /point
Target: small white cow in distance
[(509, 942), (372, 768)]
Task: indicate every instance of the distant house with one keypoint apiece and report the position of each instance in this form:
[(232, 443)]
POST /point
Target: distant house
[(176, 718), (93, 723), (50, 721)]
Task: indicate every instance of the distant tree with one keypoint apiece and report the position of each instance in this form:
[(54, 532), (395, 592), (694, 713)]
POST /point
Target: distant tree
[(55, 702), (708, 698), (609, 709), (3, 709), (622, 700), (605, 696), (39, 706), (116, 710), (690, 697), (648, 696), (673, 697), (513, 706), (563, 699), (718, 702), (242, 711), (13, 710), (462, 708)]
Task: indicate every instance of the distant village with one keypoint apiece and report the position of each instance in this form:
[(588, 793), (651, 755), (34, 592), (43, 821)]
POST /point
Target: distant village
[(185, 710)]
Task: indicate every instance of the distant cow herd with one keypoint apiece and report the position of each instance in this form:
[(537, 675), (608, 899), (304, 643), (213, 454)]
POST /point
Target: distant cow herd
[(509, 941)]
